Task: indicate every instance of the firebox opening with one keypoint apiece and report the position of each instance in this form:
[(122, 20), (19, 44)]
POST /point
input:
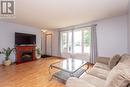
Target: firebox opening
[(27, 56)]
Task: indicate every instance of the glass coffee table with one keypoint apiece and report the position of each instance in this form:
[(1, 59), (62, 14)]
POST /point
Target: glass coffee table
[(68, 68)]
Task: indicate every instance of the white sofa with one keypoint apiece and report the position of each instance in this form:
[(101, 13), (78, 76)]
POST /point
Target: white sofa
[(104, 75)]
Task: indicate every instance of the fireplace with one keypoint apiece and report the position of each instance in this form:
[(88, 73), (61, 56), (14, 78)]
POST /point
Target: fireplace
[(25, 54)]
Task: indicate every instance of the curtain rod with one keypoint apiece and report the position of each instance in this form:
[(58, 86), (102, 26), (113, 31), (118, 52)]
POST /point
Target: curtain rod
[(76, 27)]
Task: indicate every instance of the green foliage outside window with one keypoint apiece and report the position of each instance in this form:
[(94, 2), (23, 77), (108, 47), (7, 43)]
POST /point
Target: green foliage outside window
[(87, 38)]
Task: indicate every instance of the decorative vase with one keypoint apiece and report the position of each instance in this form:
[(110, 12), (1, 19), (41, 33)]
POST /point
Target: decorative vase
[(7, 62), (38, 56)]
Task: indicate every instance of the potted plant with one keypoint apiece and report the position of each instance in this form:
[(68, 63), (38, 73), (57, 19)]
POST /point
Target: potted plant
[(7, 52), (38, 53)]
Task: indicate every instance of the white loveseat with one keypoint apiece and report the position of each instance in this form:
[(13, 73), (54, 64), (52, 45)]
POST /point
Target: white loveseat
[(107, 72)]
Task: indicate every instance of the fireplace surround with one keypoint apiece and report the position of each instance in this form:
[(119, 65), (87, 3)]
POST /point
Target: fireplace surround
[(25, 54)]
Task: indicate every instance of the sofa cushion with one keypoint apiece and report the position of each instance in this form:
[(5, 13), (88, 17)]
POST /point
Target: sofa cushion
[(97, 82), (99, 72), (104, 60), (119, 75), (75, 82), (102, 66), (114, 60)]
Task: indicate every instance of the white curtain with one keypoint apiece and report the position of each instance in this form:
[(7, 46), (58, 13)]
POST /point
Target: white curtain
[(93, 50)]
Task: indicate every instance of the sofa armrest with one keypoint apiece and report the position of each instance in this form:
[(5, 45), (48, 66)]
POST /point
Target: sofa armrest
[(76, 82), (104, 60)]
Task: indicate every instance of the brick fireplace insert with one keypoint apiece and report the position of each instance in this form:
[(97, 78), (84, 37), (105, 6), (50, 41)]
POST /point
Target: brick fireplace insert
[(25, 54)]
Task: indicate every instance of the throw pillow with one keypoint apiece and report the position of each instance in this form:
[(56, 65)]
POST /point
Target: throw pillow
[(113, 61)]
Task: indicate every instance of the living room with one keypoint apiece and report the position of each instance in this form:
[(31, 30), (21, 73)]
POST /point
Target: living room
[(58, 42)]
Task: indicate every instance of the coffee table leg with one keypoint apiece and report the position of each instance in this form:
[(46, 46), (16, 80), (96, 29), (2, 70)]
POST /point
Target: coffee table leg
[(51, 78), (50, 73)]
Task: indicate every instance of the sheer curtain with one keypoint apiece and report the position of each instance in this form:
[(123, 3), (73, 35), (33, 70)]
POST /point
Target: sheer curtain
[(93, 49)]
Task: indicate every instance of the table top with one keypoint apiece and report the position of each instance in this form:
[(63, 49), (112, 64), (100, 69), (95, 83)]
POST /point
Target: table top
[(69, 65)]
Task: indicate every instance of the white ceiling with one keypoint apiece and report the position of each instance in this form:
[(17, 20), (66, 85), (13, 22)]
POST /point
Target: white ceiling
[(50, 14)]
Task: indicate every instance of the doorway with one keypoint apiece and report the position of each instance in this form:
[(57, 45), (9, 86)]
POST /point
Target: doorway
[(48, 44)]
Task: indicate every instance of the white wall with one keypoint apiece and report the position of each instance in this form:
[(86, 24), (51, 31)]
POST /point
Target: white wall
[(111, 36), (7, 35), (55, 43)]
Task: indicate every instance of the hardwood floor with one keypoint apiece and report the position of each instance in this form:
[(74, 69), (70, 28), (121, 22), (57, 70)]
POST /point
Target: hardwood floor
[(31, 74)]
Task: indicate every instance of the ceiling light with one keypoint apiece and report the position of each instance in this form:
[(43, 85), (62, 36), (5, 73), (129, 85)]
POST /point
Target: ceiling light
[(44, 31)]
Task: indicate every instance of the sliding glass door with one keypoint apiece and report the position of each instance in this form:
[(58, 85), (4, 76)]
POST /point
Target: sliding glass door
[(66, 42), (76, 41), (86, 41), (69, 42)]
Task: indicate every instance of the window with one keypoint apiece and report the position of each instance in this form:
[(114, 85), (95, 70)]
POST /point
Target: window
[(66, 41), (70, 42), (76, 41), (86, 41)]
